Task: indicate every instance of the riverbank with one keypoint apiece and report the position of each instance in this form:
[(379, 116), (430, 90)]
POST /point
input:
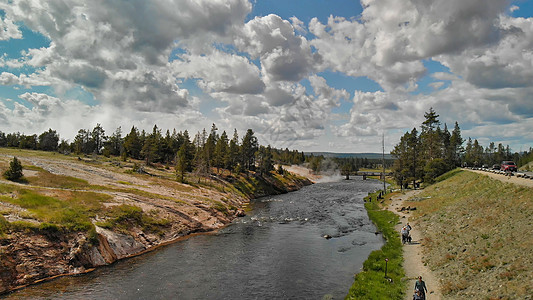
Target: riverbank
[(474, 235), (73, 214), (382, 274)]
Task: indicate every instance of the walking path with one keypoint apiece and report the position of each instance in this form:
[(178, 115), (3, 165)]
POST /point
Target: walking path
[(501, 177), (412, 253)]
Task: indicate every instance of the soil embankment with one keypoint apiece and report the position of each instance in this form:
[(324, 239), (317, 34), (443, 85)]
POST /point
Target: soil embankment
[(475, 237), (74, 214)]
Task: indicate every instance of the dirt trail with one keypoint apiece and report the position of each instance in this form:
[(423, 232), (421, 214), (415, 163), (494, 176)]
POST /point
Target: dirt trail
[(412, 253), (513, 179)]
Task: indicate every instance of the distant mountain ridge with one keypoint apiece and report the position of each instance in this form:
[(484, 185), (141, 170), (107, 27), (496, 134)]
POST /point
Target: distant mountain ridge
[(352, 155)]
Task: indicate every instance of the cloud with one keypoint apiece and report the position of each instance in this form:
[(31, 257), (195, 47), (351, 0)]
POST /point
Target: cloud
[(506, 64), (8, 30), (255, 69), (284, 55), (119, 50), (220, 72)]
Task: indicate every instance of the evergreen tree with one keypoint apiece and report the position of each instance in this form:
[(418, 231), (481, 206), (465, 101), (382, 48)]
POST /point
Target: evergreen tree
[(14, 173), (221, 151), (64, 147), (151, 149), (209, 147), (133, 144), (181, 163), (98, 138), (200, 160), (400, 168), (48, 140), (233, 155), (189, 150), (456, 146), (430, 136), (82, 142), (3, 139), (114, 144), (469, 153), (248, 148), (264, 158)]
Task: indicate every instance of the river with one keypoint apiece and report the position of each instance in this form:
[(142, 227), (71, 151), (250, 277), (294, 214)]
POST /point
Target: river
[(276, 252)]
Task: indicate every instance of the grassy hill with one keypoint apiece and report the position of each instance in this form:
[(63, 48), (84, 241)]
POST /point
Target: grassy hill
[(478, 236)]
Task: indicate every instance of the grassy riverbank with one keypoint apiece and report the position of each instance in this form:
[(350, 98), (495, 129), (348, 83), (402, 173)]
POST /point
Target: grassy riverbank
[(477, 236), (371, 282)]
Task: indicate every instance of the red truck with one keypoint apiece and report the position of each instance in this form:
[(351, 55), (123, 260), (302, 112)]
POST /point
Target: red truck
[(508, 166)]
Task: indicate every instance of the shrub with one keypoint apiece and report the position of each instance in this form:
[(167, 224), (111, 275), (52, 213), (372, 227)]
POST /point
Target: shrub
[(14, 173)]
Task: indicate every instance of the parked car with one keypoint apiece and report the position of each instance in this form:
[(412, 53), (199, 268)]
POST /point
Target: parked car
[(508, 165), (496, 167)]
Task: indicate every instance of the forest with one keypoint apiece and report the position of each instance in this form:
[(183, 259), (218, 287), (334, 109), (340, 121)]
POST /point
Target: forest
[(206, 152), (419, 156), (425, 155)]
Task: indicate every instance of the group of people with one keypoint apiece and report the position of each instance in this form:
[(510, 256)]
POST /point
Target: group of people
[(420, 289), (406, 237), (420, 285)]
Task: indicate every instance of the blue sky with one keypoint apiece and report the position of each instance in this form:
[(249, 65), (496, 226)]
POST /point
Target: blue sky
[(314, 75)]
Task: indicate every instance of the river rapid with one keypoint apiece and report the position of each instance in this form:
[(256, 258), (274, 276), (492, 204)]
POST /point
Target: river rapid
[(278, 251)]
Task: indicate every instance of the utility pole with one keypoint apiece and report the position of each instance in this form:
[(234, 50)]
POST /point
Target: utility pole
[(383, 161)]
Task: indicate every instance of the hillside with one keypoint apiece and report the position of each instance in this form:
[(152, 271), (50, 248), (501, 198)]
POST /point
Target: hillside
[(477, 236), (72, 214)]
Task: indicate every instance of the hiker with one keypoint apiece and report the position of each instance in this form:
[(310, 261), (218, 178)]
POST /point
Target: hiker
[(420, 285), (405, 234), (418, 295)]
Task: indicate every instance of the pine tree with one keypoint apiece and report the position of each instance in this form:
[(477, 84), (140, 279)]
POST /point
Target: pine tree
[(233, 155), (221, 151), (14, 173), (48, 140), (456, 146), (430, 136), (248, 148), (133, 144), (151, 149), (181, 163), (98, 138)]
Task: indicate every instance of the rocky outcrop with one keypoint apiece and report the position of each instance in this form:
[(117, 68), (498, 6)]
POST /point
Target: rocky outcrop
[(27, 258)]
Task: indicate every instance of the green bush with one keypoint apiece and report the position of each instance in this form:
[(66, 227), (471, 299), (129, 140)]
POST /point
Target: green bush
[(14, 173)]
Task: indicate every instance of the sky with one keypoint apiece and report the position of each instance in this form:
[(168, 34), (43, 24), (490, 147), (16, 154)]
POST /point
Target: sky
[(312, 75)]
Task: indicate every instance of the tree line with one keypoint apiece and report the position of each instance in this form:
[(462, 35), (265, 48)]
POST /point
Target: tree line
[(422, 156), (204, 153)]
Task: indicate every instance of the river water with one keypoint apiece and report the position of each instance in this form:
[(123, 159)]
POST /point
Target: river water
[(276, 252)]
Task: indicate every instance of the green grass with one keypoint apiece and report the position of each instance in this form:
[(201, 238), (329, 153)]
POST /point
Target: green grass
[(124, 217), (4, 226), (371, 283), (448, 175), (72, 214)]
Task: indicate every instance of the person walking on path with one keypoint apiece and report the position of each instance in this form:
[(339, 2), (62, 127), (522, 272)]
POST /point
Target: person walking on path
[(420, 285)]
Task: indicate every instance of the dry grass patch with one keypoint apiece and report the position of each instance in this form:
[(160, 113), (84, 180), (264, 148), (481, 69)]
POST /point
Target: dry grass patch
[(477, 231)]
